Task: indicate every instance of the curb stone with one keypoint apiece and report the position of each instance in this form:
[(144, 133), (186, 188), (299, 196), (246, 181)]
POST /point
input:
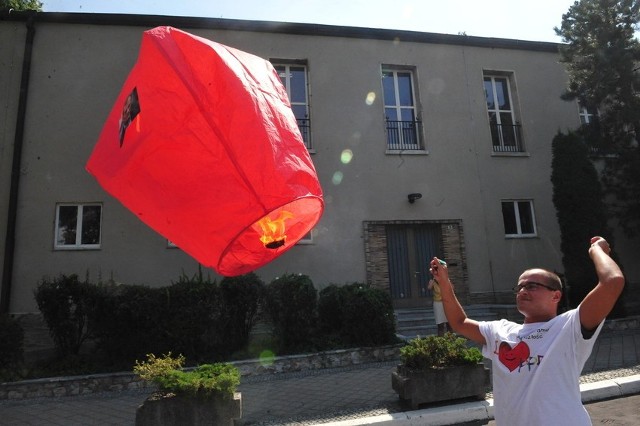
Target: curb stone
[(484, 410)]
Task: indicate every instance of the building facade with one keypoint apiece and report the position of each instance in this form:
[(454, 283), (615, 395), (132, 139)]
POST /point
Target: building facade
[(425, 145)]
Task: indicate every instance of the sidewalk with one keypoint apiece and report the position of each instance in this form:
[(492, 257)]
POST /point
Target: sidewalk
[(345, 396)]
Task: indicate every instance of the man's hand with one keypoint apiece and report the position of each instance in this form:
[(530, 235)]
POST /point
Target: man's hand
[(600, 301), (600, 242), (439, 269)]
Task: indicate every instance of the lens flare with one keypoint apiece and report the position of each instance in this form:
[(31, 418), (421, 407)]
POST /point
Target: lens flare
[(337, 178), (267, 357), (435, 86), (370, 99), (346, 156)]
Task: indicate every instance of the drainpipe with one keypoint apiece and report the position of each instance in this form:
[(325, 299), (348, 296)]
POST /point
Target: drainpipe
[(10, 239)]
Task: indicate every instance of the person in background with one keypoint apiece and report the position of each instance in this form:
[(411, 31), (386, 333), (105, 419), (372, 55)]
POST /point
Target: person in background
[(438, 309), (536, 365)]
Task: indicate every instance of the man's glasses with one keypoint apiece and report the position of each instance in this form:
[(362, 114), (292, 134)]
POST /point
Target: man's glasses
[(532, 286)]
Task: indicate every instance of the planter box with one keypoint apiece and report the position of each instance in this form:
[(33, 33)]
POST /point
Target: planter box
[(421, 387), (178, 410)]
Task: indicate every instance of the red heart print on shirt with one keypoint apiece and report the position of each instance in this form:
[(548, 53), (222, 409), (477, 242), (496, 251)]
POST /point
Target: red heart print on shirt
[(513, 357)]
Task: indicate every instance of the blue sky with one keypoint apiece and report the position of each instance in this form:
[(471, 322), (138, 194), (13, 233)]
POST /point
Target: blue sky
[(516, 19)]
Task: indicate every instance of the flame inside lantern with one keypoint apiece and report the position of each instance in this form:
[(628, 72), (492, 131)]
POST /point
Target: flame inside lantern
[(273, 231), (270, 235)]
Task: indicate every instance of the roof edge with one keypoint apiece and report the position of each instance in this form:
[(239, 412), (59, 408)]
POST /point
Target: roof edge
[(276, 27)]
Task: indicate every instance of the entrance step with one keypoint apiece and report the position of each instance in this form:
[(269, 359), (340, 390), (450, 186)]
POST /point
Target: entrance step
[(413, 322)]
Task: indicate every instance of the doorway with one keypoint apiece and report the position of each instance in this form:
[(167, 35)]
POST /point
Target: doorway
[(409, 250)]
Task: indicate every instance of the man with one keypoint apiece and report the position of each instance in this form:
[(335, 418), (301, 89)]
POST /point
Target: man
[(537, 365)]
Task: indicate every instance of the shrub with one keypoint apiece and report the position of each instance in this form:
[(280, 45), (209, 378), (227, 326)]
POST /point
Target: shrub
[(331, 306), (65, 303), (207, 320), (241, 298), (191, 319), (290, 303), (368, 317), (11, 346), (129, 322), (195, 316), (204, 380), (429, 352), (356, 315)]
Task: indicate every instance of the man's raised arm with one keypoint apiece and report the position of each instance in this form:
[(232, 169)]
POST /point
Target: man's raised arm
[(600, 301)]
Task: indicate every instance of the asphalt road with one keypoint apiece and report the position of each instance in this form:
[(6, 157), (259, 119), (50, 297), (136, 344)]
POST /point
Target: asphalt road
[(623, 411)]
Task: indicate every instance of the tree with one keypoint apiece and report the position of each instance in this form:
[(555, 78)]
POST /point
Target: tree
[(21, 5), (581, 212), (602, 56)]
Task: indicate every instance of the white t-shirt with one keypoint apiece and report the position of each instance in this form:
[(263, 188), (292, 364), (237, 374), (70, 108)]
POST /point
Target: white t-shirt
[(536, 370)]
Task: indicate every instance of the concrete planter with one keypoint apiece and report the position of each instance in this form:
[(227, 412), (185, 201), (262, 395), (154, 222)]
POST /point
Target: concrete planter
[(426, 386), (162, 409)]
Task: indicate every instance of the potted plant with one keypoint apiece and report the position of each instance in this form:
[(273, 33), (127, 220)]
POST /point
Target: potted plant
[(437, 368), (205, 395)]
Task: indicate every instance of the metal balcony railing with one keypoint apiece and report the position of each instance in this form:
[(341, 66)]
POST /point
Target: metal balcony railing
[(304, 124), (403, 135), (507, 138)]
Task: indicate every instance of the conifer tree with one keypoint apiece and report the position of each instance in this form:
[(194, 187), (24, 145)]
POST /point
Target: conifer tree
[(602, 57), (581, 213), (21, 5)]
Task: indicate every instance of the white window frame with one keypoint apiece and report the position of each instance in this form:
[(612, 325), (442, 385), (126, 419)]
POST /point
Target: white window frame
[(79, 224), (285, 77), (518, 138), (396, 105), (587, 116), (518, 218)]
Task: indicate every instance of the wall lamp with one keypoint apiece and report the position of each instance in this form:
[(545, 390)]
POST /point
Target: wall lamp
[(414, 196)]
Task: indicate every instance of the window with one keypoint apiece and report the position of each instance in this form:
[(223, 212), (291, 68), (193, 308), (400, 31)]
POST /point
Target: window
[(592, 133), (294, 79), (306, 239), (505, 130), (78, 226), (519, 219), (587, 115), (401, 116)]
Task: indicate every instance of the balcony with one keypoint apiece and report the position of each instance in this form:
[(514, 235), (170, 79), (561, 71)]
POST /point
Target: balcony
[(403, 135), (304, 124), (507, 138)]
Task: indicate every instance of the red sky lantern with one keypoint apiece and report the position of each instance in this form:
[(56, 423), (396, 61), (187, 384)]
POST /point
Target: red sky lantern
[(203, 147)]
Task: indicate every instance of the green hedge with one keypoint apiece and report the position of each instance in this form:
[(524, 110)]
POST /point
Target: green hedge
[(196, 317), (356, 315), (128, 322), (66, 304), (290, 302), (11, 347), (241, 297), (349, 315), (207, 321)]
